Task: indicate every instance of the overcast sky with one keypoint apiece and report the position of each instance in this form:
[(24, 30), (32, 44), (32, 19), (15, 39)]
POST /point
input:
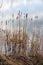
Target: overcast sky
[(8, 7)]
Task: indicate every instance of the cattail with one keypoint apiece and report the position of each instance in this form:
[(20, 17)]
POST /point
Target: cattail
[(17, 17), (6, 22), (19, 13), (26, 15), (1, 22)]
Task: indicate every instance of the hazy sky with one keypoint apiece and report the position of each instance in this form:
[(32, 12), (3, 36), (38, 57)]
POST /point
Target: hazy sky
[(12, 6)]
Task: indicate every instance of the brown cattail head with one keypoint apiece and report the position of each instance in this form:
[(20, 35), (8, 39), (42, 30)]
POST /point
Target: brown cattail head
[(17, 17), (6, 22), (26, 15), (19, 13)]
